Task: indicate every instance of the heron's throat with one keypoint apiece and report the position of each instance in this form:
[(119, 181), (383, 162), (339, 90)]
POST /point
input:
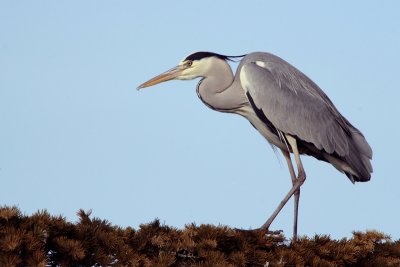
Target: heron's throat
[(220, 93), (212, 91)]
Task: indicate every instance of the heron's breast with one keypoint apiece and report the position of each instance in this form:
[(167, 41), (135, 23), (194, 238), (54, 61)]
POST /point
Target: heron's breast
[(248, 112)]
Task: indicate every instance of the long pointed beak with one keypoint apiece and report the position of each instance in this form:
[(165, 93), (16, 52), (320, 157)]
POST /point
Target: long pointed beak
[(166, 76)]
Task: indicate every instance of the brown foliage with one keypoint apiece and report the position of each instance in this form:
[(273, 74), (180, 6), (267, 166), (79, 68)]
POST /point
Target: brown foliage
[(45, 240)]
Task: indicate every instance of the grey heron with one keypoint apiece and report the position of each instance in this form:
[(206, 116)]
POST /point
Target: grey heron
[(285, 106)]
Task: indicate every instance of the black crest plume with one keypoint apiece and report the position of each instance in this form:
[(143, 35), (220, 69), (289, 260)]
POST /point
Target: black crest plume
[(201, 55)]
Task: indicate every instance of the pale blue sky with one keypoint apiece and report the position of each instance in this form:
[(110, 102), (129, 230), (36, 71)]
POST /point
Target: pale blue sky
[(75, 133)]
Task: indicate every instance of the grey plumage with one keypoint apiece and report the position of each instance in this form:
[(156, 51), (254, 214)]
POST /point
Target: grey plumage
[(296, 105), (285, 106)]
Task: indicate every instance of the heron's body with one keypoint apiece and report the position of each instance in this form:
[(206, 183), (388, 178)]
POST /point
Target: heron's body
[(285, 106), (288, 103)]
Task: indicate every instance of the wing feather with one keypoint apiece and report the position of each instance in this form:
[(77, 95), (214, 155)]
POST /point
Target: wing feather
[(295, 105)]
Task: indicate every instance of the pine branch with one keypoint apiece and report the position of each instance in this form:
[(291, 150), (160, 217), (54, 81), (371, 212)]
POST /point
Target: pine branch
[(45, 240)]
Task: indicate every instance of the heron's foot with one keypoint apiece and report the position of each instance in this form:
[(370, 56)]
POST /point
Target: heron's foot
[(243, 230), (273, 234), (276, 232), (269, 233), (263, 230)]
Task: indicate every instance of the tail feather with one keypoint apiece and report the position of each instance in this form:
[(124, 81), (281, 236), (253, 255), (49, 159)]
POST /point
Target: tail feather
[(356, 164), (359, 157)]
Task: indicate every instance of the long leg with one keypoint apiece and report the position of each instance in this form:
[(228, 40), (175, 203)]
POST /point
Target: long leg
[(301, 176), (286, 154), (296, 212)]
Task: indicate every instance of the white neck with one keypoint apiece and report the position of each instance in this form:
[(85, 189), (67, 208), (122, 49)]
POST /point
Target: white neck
[(217, 88)]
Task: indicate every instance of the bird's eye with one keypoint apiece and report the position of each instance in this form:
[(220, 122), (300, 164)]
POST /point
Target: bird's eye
[(189, 63)]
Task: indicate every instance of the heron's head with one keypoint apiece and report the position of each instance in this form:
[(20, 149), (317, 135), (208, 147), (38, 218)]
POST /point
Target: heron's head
[(198, 64)]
